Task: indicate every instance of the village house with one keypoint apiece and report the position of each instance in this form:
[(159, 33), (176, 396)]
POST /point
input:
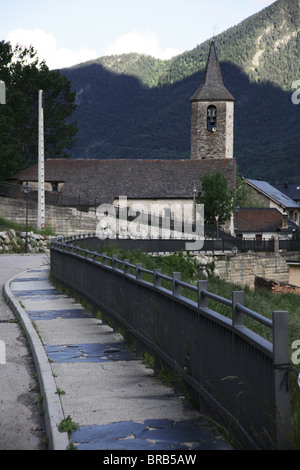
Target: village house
[(267, 195), (263, 224)]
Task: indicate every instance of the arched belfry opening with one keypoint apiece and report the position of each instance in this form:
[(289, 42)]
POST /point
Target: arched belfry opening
[(211, 118)]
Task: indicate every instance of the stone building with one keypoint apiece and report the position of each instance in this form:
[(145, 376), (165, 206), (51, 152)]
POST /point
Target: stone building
[(74, 182)]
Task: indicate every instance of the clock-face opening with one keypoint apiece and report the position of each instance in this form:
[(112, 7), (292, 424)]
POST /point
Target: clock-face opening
[(211, 118)]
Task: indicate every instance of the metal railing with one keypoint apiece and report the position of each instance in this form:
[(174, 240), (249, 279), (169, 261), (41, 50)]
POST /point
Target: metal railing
[(289, 245), (236, 375), (161, 245)]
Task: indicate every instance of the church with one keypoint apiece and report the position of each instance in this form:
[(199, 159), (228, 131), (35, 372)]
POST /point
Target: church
[(90, 182)]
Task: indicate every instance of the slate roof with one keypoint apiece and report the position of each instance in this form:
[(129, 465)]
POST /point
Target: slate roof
[(106, 180), (212, 87), (261, 220), (290, 190), (273, 193)]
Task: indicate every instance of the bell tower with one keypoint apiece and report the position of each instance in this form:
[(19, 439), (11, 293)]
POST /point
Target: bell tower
[(212, 109)]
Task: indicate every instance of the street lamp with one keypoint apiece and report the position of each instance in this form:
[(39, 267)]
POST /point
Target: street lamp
[(26, 189)]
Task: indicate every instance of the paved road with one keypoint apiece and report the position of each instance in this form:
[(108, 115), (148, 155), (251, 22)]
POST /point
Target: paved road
[(21, 420)]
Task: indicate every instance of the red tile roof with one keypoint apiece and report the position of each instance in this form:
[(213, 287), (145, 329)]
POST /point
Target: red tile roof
[(258, 220)]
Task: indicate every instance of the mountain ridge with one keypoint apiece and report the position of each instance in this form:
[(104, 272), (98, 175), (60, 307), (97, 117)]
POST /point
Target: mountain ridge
[(273, 22), (136, 106)]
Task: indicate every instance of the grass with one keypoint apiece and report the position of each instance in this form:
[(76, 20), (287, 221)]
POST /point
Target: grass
[(67, 425)]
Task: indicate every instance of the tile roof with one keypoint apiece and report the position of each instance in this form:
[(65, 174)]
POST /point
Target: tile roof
[(260, 220), (138, 179), (212, 87), (273, 193)]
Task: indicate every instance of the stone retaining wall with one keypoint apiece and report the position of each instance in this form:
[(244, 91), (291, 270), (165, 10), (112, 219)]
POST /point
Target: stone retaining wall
[(14, 242), (242, 268), (62, 220)]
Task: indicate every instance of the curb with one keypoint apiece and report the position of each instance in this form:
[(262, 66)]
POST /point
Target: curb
[(51, 401)]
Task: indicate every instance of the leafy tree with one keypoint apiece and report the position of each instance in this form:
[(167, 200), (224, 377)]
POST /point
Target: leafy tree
[(216, 197), (24, 75), (243, 195)]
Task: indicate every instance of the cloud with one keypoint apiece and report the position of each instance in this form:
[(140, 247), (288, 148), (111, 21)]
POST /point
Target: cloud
[(47, 49), (145, 42)]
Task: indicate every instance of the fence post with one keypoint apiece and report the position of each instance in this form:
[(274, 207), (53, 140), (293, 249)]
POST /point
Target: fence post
[(281, 378), (114, 263), (238, 318), (139, 274), (156, 279), (126, 267), (104, 260), (202, 300), (175, 288)]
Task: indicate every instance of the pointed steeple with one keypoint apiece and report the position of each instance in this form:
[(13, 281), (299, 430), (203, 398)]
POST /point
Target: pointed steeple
[(212, 87)]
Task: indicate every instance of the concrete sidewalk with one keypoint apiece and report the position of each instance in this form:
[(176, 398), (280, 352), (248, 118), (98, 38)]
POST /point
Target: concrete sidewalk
[(89, 376)]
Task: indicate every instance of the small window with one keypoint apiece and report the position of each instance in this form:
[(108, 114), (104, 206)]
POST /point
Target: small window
[(211, 118), (54, 187)]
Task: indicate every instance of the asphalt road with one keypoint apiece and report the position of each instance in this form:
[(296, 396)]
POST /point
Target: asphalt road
[(21, 419)]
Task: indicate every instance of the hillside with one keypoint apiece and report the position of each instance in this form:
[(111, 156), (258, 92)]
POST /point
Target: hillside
[(135, 106)]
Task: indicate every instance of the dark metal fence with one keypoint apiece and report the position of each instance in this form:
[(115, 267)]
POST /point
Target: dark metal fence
[(289, 245), (161, 245), (9, 190), (237, 376)]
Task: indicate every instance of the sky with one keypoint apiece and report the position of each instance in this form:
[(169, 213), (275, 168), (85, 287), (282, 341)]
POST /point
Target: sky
[(69, 32)]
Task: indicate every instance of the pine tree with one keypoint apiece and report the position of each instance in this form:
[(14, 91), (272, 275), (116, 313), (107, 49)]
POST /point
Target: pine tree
[(24, 76)]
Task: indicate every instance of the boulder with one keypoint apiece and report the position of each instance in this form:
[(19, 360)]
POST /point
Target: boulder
[(7, 240)]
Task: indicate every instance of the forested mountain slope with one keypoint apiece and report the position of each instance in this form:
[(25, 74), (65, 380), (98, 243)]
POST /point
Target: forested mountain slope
[(135, 106)]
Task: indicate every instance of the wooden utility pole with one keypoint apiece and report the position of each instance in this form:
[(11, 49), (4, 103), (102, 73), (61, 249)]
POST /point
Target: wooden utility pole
[(2, 93)]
